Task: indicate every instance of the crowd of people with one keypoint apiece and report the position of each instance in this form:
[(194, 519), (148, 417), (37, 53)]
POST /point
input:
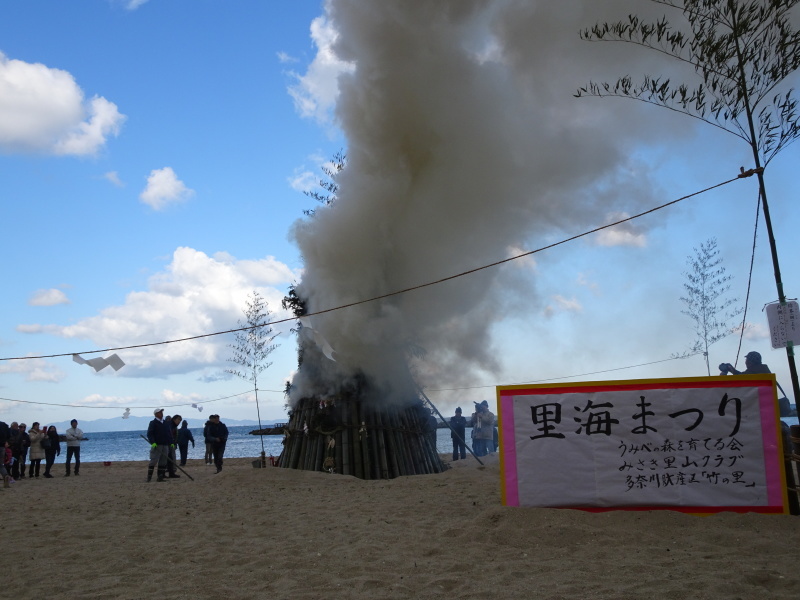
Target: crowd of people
[(167, 433), (24, 450), (483, 435)]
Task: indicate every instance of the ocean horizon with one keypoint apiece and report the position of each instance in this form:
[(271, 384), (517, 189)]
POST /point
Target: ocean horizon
[(124, 446)]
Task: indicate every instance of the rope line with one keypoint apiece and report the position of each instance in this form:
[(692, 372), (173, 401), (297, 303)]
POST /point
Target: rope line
[(405, 290), (187, 403), (749, 279), (568, 376)]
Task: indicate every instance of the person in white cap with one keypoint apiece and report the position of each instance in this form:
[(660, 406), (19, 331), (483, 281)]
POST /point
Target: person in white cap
[(160, 438)]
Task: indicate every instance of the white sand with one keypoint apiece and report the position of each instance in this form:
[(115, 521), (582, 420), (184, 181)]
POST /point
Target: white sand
[(276, 533)]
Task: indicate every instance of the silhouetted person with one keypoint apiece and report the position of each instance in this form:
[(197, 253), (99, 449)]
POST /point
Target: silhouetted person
[(752, 362), (458, 424)]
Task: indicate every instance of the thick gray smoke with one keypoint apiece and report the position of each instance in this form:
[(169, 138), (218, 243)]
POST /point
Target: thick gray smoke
[(464, 141)]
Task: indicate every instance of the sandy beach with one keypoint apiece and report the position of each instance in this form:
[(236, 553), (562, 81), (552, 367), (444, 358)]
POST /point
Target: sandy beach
[(282, 534)]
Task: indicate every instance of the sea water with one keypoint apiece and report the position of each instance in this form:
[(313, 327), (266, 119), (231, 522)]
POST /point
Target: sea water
[(116, 446)]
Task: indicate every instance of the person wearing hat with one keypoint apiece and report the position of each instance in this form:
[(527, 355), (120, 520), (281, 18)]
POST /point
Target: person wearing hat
[(482, 429), (458, 429), (160, 438), (753, 363)]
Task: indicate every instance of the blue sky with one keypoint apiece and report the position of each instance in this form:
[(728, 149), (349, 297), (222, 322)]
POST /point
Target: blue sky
[(153, 160)]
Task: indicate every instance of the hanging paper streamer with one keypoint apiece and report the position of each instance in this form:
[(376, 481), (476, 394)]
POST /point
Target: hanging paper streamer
[(199, 408), (98, 364), (126, 414), (320, 341)]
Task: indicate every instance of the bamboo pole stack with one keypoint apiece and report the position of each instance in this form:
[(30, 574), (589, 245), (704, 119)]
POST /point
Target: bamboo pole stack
[(368, 440)]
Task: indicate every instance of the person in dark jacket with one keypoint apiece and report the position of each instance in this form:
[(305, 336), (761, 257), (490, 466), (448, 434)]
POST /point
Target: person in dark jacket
[(217, 436), (184, 437), (15, 441), (209, 454), (53, 450), (173, 423), (458, 424), (160, 437), (752, 362), (24, 444)]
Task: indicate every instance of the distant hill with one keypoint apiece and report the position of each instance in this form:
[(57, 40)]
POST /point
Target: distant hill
[(140, 423)]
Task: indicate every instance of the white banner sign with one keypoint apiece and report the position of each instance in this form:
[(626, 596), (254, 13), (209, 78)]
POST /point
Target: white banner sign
[(784, 323), (697, 445)]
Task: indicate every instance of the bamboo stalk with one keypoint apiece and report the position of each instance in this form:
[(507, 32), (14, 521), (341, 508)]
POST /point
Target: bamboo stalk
[(353, 431), (382, 445), (344, 437)]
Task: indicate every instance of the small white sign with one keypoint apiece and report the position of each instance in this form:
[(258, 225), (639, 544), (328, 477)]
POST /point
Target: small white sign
[(784, 323)]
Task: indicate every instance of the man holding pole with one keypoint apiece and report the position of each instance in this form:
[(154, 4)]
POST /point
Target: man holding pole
[(160, 438)]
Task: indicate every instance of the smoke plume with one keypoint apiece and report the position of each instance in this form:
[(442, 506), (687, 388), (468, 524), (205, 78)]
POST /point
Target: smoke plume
[(464, 140)]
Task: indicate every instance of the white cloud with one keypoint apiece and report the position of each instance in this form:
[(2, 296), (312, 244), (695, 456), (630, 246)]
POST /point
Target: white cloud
[(49, 297), (584, 281), (35, 369), (528, 262), (43, 110), (32, 328), (134, 4), (286, 58), (303, 181), (562, 305), (100, 400), (194, 295), (755, 331), (164, 188), (113, 177), (624, 234), (315, 92)]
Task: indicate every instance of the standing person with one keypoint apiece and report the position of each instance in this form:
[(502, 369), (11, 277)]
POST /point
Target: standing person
[(487, 428), (209, 445), (458, 426), (482, 429), (160, 438), (51, 449), (218, 436), (74, 437), (36, 435), (184, 437), (5, 464), (25, 443), (14, 442), (173, 423)]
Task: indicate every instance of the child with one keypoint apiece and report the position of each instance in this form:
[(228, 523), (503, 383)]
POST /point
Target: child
[(6, 466)]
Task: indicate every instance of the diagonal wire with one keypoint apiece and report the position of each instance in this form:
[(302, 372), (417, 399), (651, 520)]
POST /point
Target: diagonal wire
[(749, 279), (405, 290)]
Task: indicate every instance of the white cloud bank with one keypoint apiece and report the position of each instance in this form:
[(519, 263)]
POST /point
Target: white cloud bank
[(35, 369), (315, 93), (195, 294), (43, 110), (624, 234), (50, 297), (164, 189)]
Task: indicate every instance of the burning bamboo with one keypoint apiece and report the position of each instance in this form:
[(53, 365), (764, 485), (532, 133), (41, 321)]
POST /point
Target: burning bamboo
[(356, 437)]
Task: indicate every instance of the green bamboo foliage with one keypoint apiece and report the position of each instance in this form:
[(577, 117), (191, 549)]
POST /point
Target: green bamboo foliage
[(741, 51)]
